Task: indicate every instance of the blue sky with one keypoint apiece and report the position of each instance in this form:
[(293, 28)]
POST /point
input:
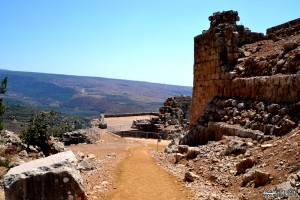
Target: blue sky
[(146, 40)]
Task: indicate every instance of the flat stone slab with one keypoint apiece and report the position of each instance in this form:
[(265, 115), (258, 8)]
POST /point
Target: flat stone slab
[(53, 177)]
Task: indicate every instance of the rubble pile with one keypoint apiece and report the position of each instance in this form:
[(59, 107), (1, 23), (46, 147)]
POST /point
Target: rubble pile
[(236, 168), (172, 121), (88, 136), (176, 110), (99, 122), (269, 118), (253, 60)]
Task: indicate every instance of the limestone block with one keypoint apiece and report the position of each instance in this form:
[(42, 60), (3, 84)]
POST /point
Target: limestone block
[(53, 177)]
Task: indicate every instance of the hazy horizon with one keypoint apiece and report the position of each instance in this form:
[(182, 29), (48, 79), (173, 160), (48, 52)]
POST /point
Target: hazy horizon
[(4, 75)]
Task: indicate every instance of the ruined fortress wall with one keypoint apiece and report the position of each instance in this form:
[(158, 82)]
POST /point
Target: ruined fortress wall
[(215, 54), (282, 30), (277, 89), (212, 49)]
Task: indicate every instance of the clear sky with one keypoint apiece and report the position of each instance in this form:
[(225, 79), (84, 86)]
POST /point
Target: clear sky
[(147, 40)]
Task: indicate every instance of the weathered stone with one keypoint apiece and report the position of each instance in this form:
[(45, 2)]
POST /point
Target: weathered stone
[(190, 176), (266, 146), (192, 152), (183, 149), (261, 178), (260, 106), (8, 137), (80, 155), (53, 177), (241, 105), (244, 164), (236, 148), (179, 157), (112, 155), (23, 153), (84, 165), (247, 178)]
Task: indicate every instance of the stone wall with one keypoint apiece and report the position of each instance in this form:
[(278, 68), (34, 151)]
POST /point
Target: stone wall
[(130, 114), (222, 66), (177, 107), (283, 30)]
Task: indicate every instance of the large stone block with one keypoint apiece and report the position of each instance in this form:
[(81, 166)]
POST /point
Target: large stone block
[(53, 177)]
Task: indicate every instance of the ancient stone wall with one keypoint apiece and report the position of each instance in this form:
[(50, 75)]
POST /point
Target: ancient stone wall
[(131, 114), (177, 107), (227, 64), (283, 30), (215, 50)]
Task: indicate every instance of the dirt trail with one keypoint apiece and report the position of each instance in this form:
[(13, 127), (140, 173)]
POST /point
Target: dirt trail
[(139, 177)]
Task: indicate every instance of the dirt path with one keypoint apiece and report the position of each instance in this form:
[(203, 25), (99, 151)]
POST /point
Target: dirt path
[(139, 177)]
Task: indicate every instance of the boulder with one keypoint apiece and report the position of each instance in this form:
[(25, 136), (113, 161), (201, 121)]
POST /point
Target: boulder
[(248, 177), (53, 177), (192, 152), (244, 164), (261, 178)]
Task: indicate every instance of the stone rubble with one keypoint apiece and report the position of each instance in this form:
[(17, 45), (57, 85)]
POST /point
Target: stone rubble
[(88, 136)]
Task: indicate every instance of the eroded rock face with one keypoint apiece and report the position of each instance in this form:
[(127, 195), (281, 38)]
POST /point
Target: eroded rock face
[(53, 177)]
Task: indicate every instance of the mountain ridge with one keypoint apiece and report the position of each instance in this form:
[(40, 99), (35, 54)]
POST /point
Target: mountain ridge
[(84, 94)]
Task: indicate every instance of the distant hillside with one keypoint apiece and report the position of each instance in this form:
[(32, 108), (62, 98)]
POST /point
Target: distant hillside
[(87, 95)]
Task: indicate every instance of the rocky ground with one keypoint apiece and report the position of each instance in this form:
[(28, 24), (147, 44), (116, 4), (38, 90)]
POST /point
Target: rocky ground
[(237, 168), (232, 168)]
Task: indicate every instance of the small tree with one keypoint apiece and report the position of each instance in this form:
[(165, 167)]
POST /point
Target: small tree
[(36, 132), (2, 106), (41, 126)]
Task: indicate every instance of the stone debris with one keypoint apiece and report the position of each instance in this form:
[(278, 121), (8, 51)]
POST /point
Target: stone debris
[(179, 157), (266, 146), (190, 176), (84, 165), (112, 155), (23, 153), (27, 181), (247, 178), (261, 178), (183, 149), (98, 122), (243, 165), (88, 136), (236, 148), (9, 138), (192, 152), (172, 121)]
